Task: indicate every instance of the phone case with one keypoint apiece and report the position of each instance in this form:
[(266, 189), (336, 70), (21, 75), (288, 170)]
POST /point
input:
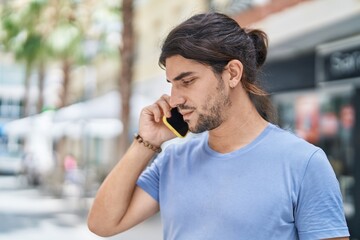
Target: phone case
[(176, 123)]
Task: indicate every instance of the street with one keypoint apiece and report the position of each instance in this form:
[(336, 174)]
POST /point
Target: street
[(28, 213)]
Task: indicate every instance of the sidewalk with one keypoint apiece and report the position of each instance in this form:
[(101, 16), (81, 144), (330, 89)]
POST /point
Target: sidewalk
[(27, 213)]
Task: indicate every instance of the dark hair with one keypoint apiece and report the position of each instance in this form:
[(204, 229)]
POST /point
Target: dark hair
[(214, 39)]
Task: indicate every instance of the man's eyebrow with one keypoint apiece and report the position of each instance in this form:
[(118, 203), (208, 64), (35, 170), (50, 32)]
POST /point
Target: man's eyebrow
[(182, 75)]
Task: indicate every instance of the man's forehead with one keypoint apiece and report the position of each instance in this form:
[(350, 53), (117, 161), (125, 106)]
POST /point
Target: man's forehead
[(178, 66), (178, 59)]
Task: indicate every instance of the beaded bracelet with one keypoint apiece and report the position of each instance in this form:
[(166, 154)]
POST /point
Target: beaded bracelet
[(139, 139)]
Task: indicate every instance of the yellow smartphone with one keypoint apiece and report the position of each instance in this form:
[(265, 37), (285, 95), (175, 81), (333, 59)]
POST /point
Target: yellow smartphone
[(176, 123)]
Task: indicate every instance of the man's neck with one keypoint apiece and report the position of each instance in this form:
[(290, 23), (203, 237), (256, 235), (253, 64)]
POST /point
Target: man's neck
[(237, 131)]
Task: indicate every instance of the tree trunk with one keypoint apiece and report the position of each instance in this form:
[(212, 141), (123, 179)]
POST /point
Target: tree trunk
[(127, 57), (41, 78), (66, 69), (26, 105)]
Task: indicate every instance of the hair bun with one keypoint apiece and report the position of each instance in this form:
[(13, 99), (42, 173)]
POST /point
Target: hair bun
[(260, 41)]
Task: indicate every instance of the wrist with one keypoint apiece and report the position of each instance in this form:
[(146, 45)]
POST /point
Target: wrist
[(138, 138)]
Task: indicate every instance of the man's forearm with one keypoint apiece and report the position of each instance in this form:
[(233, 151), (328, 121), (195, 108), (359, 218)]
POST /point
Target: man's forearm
[(115, 193)]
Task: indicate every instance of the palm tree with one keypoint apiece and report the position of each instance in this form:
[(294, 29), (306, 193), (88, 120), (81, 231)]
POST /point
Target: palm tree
[(64, 39), (69, 35), (26, 42), (65, 42)]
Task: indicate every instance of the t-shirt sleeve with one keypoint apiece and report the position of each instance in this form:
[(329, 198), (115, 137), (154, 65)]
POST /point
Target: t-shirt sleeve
[(319, 212), (149, 179)]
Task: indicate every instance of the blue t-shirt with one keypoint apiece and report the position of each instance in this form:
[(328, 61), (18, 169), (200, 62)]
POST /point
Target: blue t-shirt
[(276, 187)]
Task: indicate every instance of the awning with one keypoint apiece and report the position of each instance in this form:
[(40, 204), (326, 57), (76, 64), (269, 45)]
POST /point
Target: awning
[(24, 126), (103, 107), (100, 128), (19, 127), (98, 117), (106, 106)]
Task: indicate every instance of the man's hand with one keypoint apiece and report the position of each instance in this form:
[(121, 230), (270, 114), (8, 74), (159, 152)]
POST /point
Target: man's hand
[(151, 127)]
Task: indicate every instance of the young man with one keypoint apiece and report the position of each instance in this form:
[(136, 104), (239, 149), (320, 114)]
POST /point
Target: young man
[(243, 177)]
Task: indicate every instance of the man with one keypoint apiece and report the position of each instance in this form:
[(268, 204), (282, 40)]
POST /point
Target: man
[(243, 177)]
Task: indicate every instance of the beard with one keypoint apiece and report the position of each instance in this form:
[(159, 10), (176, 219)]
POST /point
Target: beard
[(212, 112)]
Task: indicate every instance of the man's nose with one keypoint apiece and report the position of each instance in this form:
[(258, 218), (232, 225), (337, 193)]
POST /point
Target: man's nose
[(176, 98)]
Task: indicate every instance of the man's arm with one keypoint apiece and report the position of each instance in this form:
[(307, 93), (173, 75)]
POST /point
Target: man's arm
[(119, 204)]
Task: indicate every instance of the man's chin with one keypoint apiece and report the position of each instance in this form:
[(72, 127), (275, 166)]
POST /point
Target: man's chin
[(196, 130), (191, 129)]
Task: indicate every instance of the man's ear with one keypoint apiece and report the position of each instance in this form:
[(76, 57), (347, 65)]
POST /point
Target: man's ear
[(235, 69)]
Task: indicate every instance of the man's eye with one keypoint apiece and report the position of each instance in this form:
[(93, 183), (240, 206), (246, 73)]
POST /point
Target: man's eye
[(187, 82)]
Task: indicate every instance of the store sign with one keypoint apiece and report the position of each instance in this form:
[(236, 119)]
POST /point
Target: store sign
[(342, 64)]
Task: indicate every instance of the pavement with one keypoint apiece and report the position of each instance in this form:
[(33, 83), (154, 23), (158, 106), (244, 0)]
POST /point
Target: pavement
[(29, 213)]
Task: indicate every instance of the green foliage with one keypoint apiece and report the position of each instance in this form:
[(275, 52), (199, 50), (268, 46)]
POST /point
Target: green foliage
[(68, 32), (65, 41), (43, 30), (19, 32)]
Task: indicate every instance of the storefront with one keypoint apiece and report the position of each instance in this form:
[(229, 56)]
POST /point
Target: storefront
[(317, 94), (338, 67)]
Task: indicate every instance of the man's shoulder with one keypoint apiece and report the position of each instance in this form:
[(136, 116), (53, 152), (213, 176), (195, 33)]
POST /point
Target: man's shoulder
[(289, 139), (290, 151), (290, 145)]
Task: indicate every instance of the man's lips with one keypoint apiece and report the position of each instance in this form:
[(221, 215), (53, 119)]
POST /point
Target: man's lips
[(186, 114)]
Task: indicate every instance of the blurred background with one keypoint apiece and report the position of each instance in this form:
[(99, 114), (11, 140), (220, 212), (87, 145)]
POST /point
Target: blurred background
[(74, 75)]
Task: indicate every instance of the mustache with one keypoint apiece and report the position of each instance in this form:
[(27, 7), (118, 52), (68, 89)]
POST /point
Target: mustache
[(184, 107)]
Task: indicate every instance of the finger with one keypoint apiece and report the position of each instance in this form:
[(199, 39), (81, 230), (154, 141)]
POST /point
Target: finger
[(163, 103), (166, 98), (155, 111)]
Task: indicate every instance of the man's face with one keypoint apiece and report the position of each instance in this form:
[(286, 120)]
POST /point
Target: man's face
[(199, 94)]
